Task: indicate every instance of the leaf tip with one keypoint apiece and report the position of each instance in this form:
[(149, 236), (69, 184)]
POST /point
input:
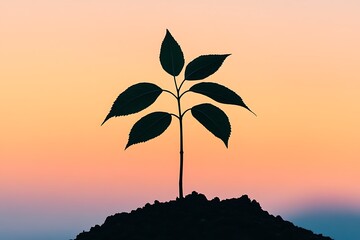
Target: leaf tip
[(107, 118), (228, 137), (128, 144), (227, 144), (168, 34), (251, 111)]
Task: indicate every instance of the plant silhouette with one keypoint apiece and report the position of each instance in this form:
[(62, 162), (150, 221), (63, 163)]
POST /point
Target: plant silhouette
[(142, 95)]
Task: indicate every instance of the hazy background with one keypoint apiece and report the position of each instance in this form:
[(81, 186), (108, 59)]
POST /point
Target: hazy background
[(63, 63)]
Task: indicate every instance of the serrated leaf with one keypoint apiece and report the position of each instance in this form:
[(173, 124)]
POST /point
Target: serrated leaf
[(134, 99), (171, 55), (204, 66), (219, 93), (214, 120), (149, 127)]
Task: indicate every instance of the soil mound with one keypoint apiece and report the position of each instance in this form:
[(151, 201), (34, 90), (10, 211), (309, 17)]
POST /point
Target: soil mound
[(195, 217)]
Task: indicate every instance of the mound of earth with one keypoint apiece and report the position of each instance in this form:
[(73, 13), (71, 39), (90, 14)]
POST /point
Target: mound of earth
[(195, 217)]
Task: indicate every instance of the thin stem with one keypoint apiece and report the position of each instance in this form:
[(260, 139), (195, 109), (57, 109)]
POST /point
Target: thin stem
[(176, 86), (184, 93), (170, 93), (181, 195), (181, 84), (185, 112), (175, 115)]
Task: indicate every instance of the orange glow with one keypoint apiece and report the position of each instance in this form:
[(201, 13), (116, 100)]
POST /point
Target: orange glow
[(63, 63)]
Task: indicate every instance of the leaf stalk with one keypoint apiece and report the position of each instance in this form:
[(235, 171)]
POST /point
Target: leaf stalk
[(164, 90)]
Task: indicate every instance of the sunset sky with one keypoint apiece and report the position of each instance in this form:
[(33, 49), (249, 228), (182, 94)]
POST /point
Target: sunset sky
[(63, 63)]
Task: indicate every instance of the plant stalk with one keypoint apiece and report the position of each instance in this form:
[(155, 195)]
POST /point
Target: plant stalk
[(181, 160), (181, 194)]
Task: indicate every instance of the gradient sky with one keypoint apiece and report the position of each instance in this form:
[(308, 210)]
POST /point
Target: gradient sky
[(63, 63)]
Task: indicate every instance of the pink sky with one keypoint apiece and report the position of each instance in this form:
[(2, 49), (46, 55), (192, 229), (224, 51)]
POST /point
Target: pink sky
[(63, 63)]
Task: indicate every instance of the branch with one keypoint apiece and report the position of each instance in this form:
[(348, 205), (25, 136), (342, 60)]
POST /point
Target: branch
[(182, 115), (181, 83), (172, 114), (170, 93), (184, 93)]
